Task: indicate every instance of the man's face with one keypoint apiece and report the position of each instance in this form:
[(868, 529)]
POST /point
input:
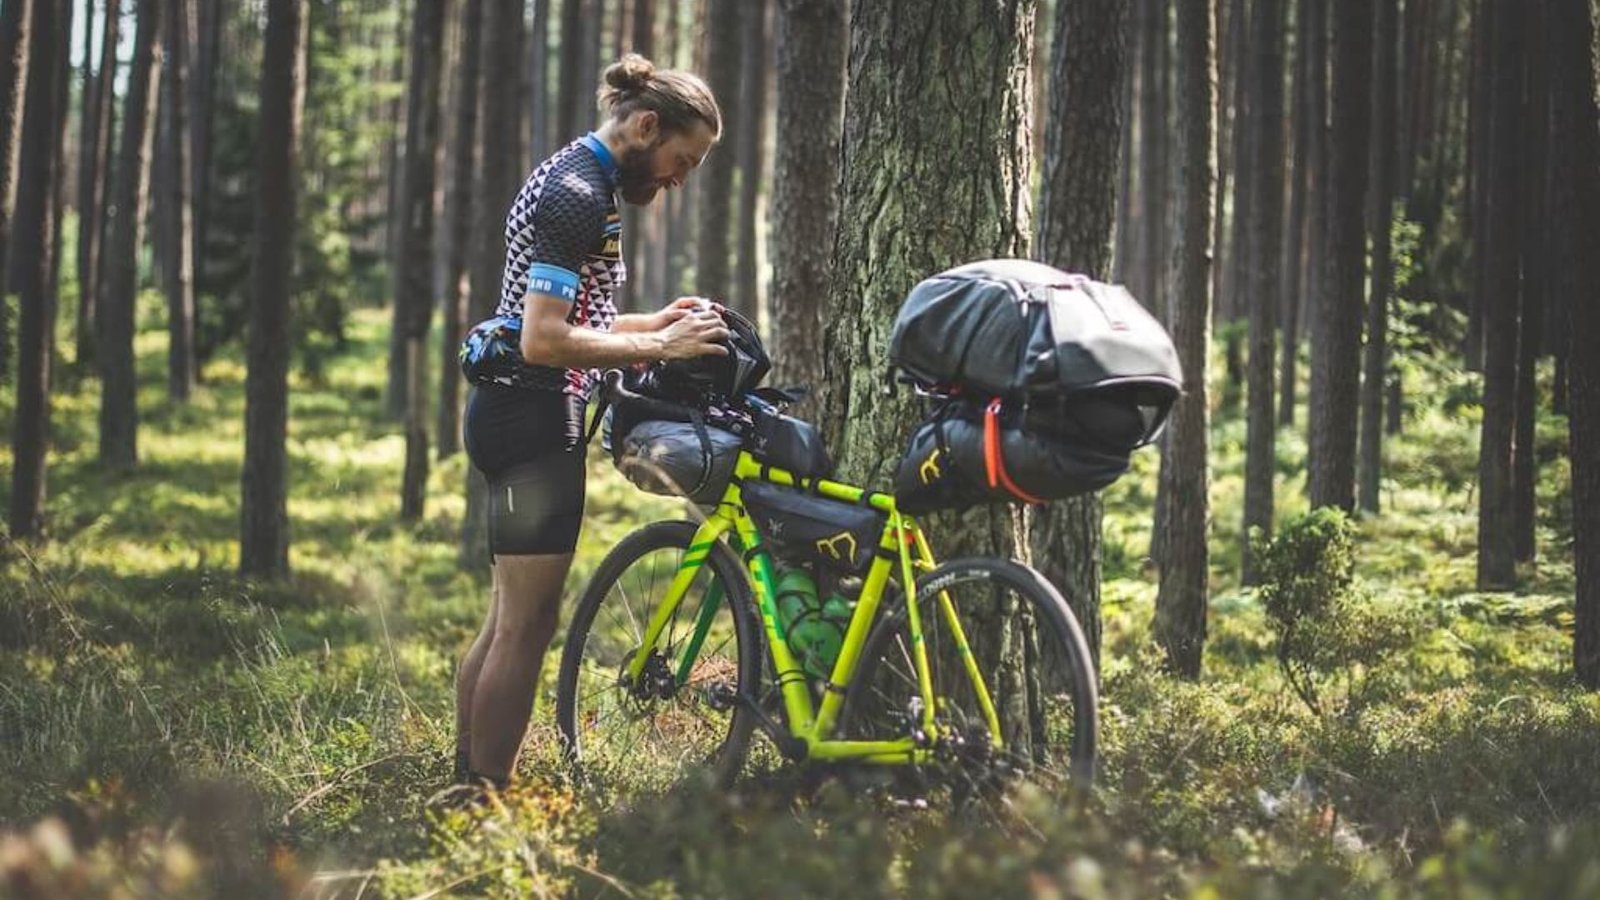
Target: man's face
[(662, 161)]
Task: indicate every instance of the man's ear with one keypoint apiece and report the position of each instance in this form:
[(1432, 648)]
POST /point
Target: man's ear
[(646, 126)]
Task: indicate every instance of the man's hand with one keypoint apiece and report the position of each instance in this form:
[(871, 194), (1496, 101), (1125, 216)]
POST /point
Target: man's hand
[(681, 307)]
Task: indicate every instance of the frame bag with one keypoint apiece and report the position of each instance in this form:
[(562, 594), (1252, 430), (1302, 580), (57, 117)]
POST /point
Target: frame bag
[(815, 529)]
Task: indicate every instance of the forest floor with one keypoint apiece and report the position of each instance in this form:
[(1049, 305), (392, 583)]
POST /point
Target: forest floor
[(171, 730)]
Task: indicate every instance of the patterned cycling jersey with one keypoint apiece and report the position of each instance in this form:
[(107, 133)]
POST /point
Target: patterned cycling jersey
[(564, 239)]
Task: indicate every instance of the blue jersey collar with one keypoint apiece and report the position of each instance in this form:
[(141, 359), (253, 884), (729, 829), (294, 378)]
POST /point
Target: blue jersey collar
[(608, 163)]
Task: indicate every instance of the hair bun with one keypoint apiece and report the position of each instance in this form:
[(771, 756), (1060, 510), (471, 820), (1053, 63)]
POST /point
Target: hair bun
[(630, 73)]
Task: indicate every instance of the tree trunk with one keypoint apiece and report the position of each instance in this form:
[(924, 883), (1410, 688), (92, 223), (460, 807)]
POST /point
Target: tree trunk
[(1153, 126), (1500, 300), (58, 169), (541, 119), (1077, 210), (1575, 149), (902, 132), (413, 267), (713, 244), (1336, 351), (640, 225), (179, 256), (1267, 38), (1479, 152), (203, 88), (93, 168), (577, 83), (1180, 620), (35, 213), (264, 540), (1235, 260), (1298, 226), (15, 22), (496, 189), (1385, 85), (1123, 235), (811, 45), (119, 414), (752, 127), (464, 156), (1535, 265)]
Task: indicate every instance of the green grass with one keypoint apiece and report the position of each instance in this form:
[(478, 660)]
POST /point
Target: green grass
[(172, 730)]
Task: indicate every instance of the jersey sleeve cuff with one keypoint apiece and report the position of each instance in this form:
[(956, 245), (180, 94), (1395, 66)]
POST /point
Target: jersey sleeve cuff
[(555, 281)]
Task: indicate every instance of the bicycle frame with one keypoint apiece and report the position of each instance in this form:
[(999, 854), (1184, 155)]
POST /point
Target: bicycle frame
[(901, 543)]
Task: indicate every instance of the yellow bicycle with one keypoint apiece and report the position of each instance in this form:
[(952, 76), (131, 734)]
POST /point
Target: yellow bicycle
[(677, 653)]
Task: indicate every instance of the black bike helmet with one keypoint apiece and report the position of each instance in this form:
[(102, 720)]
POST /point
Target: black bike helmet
[(731, 376)]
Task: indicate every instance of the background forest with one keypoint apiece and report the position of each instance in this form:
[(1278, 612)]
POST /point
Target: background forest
[(1347, 616)]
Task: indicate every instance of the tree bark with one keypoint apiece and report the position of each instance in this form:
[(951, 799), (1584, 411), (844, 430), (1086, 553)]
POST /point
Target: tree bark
[(464, 157), (1266, 214), (811, 44), (1375, 362), (35, 223), (713, 244), (179, 256), (966, 130), (1336, 351), (413, 266), (1575, 163), (1077, 210), (752, 127), (119, 414), (1180, 619), (498, 171), (264, 539), (1500, 300)]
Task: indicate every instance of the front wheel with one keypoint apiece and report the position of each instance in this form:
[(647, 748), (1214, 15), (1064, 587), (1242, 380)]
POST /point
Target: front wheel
[(678, 714), (1031, 655)]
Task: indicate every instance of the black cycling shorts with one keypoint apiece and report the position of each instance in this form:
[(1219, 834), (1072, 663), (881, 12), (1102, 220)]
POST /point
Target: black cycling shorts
[(529, 445)]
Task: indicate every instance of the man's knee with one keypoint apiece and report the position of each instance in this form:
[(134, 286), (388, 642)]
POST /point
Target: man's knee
[(530, 597)]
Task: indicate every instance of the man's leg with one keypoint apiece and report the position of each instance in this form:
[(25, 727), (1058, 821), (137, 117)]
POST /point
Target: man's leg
[(529, 602), (467, 679)]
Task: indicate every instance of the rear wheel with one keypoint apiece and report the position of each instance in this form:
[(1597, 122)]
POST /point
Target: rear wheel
[(1032, 658), (678, 715)]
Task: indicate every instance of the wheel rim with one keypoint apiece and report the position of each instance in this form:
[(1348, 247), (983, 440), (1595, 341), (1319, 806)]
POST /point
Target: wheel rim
[(649, 732), (1033, 675)]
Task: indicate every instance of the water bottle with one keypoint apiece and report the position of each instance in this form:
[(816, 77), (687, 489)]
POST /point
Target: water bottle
[(813, 627)]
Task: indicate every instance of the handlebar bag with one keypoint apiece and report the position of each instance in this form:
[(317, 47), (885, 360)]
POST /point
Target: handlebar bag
[(792, 444)]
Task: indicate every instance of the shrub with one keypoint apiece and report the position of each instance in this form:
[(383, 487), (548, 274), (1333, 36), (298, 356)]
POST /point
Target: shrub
[(1330, 635)]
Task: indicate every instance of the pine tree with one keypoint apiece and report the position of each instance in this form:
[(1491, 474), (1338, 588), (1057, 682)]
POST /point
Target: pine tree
[(264, 538), (1077, 208), (1180, 620)]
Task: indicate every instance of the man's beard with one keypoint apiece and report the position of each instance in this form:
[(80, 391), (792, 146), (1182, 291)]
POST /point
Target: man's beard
[(635, 180)]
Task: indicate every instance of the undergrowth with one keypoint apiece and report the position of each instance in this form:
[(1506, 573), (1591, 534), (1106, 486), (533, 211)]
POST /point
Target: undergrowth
[(172, 730)]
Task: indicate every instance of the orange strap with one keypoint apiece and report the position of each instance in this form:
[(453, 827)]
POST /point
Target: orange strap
[(994, 459)]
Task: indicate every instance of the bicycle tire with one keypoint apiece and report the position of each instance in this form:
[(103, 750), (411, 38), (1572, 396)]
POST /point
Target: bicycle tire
[(882, 689), (578, 685)]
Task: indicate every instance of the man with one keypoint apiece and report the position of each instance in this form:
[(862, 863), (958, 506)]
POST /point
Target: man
[(523, 429)]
